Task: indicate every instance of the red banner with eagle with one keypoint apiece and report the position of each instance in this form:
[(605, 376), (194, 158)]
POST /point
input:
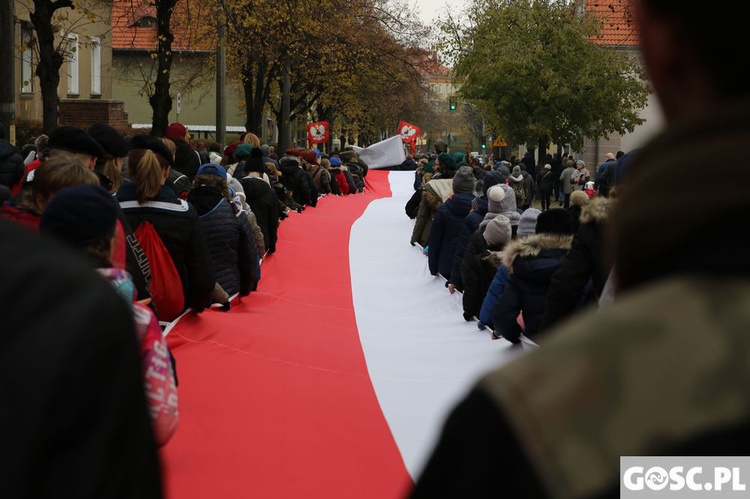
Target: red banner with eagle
[(409, 134), (317, 132)]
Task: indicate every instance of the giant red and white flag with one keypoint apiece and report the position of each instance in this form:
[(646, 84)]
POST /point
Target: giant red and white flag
[(333, 379)]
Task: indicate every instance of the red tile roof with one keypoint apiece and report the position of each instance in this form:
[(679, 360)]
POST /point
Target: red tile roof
[(429, 64), (618, 29), (190, 29)]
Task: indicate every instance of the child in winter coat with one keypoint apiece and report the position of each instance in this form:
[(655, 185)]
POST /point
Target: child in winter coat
[(589, 189)]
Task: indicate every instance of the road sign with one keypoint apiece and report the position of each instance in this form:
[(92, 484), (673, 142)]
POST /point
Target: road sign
[(499, 142)]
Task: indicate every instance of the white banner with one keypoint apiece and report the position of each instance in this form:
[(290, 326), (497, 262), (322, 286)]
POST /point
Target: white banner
[(388, 152)]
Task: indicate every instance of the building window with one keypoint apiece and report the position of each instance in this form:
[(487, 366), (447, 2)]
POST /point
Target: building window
[(96, 67), (72, 64), (144, 22), (27, 69)]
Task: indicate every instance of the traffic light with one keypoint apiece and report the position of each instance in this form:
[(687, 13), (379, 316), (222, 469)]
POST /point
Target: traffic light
[(483, 143), (452, 103)]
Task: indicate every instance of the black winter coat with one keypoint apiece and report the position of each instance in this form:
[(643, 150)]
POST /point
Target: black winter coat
[(476, 273), (546, 180), (585, 262), (298, 181), (11, 165), (176, 222), (265, 204)]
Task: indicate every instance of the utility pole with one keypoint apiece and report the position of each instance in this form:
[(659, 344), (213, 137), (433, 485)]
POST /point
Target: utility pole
[(221, 73), (8, 78), (285, 132)]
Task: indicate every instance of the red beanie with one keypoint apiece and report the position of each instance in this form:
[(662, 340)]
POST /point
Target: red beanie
[(176, 131), (229, 150), (309, 156)]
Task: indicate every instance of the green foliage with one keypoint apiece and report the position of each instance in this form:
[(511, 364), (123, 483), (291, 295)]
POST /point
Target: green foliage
[(533, 69)]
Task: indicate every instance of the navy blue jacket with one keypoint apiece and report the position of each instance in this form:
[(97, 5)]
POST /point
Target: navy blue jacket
[(444, 233), (231, 242)]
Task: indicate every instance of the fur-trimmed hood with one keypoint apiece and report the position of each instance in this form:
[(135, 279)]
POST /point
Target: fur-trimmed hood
[(533, 245), (597, 210), (528, 246)]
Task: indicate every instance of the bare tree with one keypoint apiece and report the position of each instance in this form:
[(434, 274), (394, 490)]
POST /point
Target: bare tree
[(53, 22)]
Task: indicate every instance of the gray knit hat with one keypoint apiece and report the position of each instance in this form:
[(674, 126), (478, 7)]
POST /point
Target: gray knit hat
[(509, 201), (527, 224), (495, 196), (498, 231), (463, 180)]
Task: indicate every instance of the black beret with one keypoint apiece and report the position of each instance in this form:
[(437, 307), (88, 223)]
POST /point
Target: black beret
[(80, 214), (110, 139), (75, 140), (144, 141)]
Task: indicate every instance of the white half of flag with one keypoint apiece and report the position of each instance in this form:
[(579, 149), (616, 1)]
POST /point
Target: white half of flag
[(388, 152)]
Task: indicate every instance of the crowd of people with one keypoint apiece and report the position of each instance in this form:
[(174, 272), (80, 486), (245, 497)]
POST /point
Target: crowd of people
[(659, 369), (510, 260), (171, 226), (216, 212)]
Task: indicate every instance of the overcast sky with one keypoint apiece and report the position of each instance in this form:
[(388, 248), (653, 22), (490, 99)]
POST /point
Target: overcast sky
[(429, 10)]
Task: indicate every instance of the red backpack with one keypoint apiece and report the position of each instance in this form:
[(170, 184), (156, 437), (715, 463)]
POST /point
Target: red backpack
[(166, 284)]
